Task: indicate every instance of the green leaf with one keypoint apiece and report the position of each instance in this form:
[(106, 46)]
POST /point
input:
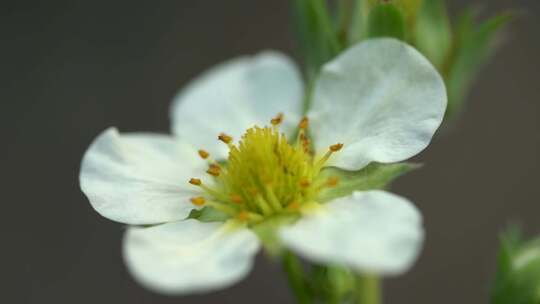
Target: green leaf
[(433, 35), (386, 20), (473, 46), (374, 176)]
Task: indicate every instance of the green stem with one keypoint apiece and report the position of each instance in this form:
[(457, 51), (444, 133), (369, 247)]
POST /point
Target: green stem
[(295, 275), (368, 290)]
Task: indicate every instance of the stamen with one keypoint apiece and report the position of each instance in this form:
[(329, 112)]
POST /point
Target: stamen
[(293, 206), (277, 120), (203, 154), (198, 201), (331, 149), (263, 205), (245, 216), (265, 174), (304, 183), (195, 181), (272, 199), (225, 138), (332, 181), (304, 123), (336, 147), (306, 143), (214, 170), (235, 198), (301, 140)]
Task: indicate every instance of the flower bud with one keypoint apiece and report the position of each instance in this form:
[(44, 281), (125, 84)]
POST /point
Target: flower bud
[(518, 270)]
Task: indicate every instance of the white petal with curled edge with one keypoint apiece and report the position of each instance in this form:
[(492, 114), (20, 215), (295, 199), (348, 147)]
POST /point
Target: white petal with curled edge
[(382, 99), (372, 232), (189, 256), (236, 95), (139, 178)]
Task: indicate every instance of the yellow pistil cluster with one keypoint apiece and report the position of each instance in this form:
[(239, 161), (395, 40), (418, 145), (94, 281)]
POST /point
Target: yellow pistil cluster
[(265, 174)]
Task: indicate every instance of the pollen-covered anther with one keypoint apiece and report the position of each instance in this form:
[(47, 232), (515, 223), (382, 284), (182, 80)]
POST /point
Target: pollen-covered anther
[(306, 143), (198, 201), (277, 120), (304, 183), (304, 123), (237, 199), (225, 138), (243, 216), (253, 191), (203, 154), (214, 170), (336, 147), (332, 181), (195, 181), (293, 206)]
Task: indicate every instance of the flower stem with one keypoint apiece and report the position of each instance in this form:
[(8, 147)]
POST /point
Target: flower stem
[(368, 290), (295, 274)]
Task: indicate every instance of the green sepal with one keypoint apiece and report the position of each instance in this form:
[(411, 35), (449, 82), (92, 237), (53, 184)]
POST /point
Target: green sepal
[(208, 214), (410, 10), (472, 47), (317, 34), (333, 283), (433, 32), (517, 280), (386, 20), (374, 176), (267, 231)]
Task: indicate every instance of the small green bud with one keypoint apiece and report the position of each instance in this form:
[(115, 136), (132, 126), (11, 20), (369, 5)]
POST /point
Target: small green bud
[(518, 271), (386, 20)]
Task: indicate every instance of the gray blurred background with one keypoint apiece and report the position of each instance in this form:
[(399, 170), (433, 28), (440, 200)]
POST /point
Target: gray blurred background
[(69, 69)]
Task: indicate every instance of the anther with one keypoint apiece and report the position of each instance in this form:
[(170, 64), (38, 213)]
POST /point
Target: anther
[(304, 123), (213, 170), (306, 144), (243, 216), (277, 120), (293, 206), (332, 149), (225, 138), (253, 191), (235, 198), (336, 147), (195, 181), (332, 181), (203, 154), (198, 201), (304, 183)]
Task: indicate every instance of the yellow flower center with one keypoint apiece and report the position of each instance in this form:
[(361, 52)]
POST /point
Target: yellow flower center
[(265, 174)]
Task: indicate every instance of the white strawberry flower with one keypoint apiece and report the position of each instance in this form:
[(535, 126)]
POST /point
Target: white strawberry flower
[(379, 101)]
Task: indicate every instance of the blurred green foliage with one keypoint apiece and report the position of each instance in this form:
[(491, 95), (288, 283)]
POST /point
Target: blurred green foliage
[(517, 280), (458, 49)]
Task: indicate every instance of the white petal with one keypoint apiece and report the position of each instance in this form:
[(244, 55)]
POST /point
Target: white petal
[(189, 256), (236, 95), (382, 99), (371, 232), (139, 178)]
